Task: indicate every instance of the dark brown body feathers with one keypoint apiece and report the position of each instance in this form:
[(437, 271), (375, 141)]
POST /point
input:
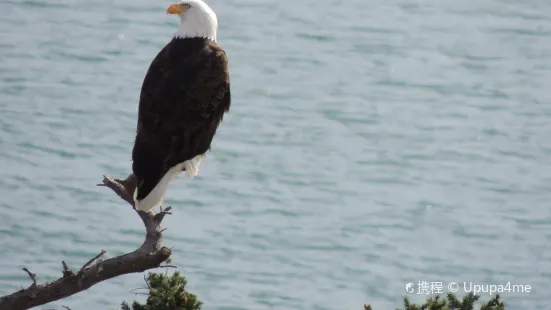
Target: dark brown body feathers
[(184, 96)]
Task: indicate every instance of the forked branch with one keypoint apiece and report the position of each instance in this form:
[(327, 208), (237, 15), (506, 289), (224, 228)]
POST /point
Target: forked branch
[(151, 254)]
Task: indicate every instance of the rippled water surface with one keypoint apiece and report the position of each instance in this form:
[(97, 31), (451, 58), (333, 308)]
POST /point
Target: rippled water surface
[(369, 144)]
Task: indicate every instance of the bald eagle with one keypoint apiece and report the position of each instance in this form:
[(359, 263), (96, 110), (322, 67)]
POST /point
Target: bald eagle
[(184, 96)]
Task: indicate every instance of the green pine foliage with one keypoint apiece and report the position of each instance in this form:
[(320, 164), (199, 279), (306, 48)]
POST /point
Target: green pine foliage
[(451, 302), (169, 293), (166, 293)]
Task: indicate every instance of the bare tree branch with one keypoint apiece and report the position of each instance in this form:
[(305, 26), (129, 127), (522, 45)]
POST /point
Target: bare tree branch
[(31, 275), (92, 260), (66, 271), (168, 266), (151, 254)]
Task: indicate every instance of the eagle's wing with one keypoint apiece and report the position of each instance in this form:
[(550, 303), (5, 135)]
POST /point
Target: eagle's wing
[(184, 96)]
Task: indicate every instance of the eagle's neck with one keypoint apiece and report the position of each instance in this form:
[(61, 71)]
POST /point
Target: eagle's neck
[(197, 26)]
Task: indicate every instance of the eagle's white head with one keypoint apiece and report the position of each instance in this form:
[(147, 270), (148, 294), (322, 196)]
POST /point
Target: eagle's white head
[(198, 20)]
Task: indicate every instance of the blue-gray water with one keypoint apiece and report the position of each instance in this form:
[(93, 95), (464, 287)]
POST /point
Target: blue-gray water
[(369, 144)]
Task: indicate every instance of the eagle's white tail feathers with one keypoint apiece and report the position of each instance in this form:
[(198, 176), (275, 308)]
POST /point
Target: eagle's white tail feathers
[(192, 166), (156, 196)]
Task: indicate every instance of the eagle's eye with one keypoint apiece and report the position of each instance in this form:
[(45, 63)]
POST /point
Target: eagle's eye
[(185, 6)]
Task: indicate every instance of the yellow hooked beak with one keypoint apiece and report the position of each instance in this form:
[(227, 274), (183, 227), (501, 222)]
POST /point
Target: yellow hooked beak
[(174, 9)]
